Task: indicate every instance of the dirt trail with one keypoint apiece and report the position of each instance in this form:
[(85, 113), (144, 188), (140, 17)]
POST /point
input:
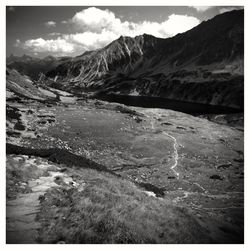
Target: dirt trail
[(21, 224), (21, 212), (176, 156)]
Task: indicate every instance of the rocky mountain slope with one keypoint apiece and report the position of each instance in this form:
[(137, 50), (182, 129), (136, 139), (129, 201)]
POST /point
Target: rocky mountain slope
[(18, 85), (203, 65), (22, 88)]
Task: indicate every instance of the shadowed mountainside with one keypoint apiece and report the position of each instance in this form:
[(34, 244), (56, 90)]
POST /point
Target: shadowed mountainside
[(203, 65)]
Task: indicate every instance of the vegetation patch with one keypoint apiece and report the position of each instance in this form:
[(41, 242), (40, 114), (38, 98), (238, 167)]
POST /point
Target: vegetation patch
[(19, 126), (19, 170), (150, 187), (60, 156), (216, 177), (13, 133), (105, 209), (12, 113), (224, 166)]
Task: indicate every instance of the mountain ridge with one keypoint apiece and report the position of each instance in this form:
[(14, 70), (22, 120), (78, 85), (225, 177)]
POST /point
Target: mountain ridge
[(184, 67), (214, 40)]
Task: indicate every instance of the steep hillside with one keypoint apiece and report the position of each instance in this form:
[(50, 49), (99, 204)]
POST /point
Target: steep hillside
[(21, 88)]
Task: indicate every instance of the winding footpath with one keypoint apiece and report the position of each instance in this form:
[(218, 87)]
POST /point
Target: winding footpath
[(176, 156), (204, 192)]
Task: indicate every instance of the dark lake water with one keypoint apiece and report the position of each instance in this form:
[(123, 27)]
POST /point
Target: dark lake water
[(157, 102)]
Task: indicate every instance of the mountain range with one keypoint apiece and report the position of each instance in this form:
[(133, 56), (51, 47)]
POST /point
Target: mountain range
[(202, 65)]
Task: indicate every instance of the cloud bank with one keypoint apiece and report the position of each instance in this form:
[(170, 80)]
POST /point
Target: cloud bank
[(202, 8), (50, 24), (94, 28)]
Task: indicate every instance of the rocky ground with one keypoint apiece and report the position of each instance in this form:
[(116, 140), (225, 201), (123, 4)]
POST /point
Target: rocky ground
[(129, 166)]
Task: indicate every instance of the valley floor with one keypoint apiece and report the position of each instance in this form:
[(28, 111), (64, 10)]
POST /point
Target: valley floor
[(98, 172)]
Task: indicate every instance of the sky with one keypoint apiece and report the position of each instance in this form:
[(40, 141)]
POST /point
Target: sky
[(69, 31)]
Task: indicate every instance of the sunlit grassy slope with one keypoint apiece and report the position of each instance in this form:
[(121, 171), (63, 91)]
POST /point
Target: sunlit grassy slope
[(107, 209)]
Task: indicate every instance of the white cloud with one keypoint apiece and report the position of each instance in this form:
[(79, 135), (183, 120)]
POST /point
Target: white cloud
[(57, 46), (226, 9), (17, 43), (50, 24), (202, 8), (94, 19), (90, 40), (96, 28), (178, 24), (54, 34)]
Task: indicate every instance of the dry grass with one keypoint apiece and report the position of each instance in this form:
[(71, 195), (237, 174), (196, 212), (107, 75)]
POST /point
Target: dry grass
[(106, 209)]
